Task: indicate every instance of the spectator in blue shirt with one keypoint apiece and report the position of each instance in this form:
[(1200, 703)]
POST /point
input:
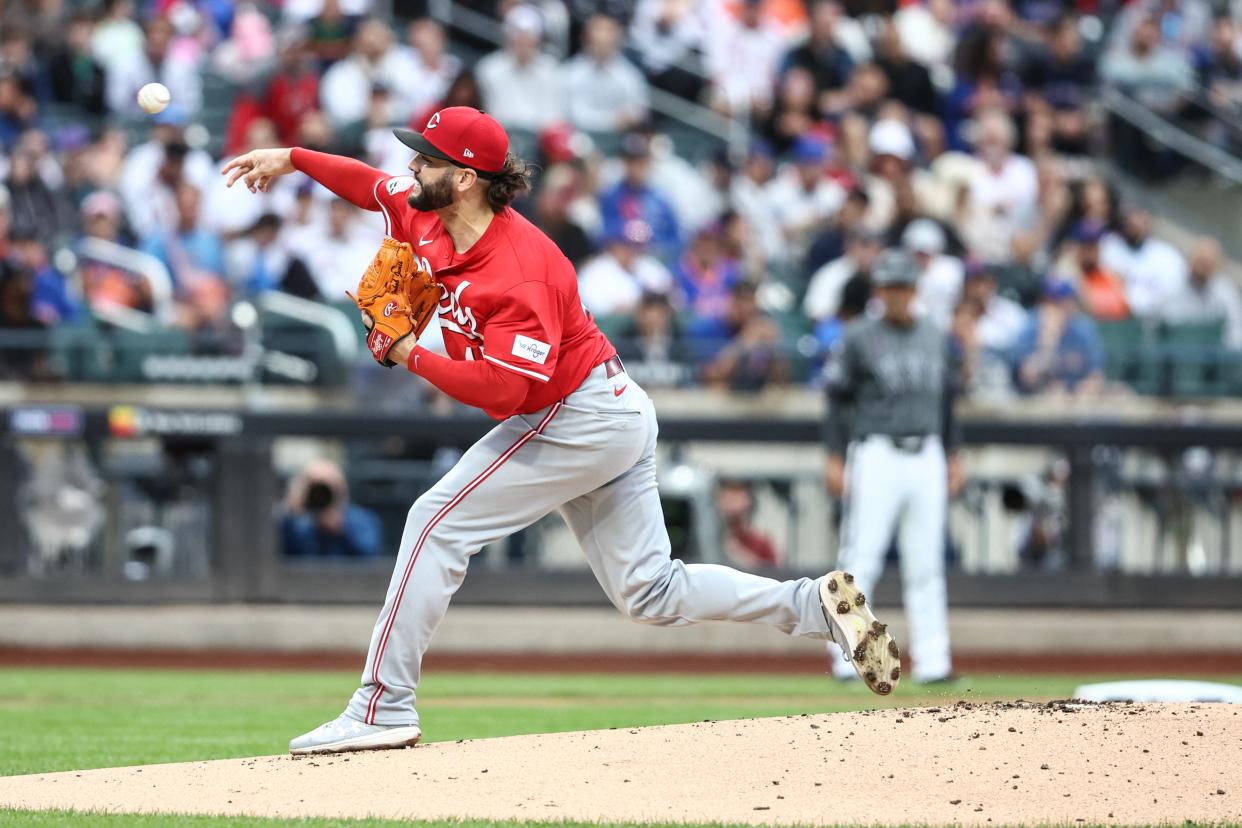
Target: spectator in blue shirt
[(192, 251), (633, 198), (1059, 350), (194, 257), (744, 349), (52, 299), (320, 522), (705, 275)]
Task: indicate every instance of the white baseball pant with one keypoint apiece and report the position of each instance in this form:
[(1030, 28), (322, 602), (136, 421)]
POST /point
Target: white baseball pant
[(592, 456), (889, 487)]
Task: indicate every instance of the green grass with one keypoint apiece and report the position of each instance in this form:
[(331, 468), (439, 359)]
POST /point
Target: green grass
[(72, 719), (66, 719)]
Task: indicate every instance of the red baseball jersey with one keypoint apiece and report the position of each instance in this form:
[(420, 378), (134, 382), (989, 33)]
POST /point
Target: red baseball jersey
[(511, 299)]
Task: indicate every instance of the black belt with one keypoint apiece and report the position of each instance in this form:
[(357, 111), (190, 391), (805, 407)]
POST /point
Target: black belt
[(912, 443), (614, 366)]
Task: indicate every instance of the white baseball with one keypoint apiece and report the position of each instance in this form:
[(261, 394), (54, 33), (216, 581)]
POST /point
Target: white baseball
[(154, 97)]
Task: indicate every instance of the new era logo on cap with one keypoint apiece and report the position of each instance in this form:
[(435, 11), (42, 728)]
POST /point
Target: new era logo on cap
[(463, 135)]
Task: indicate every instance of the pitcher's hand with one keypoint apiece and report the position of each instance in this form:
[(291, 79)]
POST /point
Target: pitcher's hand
[(258, 167)]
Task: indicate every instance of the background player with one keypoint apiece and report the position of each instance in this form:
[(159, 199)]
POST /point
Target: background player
[(890, 402), (576, 433)]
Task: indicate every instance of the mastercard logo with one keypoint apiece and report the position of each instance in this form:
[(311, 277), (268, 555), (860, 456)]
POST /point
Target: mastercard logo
[(123, 421)]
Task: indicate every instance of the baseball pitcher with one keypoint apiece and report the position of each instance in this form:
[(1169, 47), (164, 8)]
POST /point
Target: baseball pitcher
[(889, 385), (575, 432)]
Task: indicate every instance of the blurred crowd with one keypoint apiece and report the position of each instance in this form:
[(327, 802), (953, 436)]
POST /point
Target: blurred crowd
[(961, 131)]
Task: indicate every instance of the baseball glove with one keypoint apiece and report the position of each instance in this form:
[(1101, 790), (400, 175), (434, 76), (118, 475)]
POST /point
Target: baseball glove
[(397, 295)]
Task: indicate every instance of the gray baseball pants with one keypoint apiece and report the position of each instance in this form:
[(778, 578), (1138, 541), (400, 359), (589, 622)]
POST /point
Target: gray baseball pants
[(592, 456)]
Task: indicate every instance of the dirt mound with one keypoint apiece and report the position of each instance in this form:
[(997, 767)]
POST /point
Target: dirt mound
[(1009, 763)]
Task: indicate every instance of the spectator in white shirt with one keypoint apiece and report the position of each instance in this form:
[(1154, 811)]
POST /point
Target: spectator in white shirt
[(345, 93), (231, 211), (802, 196), (743, 60), (667, 34), (748, 196), (892, 170), (1000, 320), (154, 63), (926, 31), (1005, 192), (521, 85), (116, 37), (148, 175), (434, 67), (940, 276), (338, 254), (823, 294), (604, 92), (1207, 296), (615, 280), (1153, 270)]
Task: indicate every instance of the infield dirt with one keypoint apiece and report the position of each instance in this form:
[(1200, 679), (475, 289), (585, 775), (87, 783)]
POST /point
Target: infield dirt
[(1004, 764)]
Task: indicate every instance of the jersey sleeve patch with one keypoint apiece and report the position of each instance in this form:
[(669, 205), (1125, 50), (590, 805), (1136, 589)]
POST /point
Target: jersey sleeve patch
[(399, 184), (531, 349)]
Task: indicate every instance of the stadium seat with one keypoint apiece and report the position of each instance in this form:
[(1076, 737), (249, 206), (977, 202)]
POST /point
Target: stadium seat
[(1131, 355), (1196, 358), (794, 328), (75, 353)]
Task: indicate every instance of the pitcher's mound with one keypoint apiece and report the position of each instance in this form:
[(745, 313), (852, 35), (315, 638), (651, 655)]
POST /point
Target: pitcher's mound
[(1009, 763)]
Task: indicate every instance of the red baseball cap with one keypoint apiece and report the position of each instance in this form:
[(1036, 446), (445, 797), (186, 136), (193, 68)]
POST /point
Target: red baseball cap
[(463, 135)]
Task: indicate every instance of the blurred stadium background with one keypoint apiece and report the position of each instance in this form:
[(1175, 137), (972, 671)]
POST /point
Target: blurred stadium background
[(182, 379)]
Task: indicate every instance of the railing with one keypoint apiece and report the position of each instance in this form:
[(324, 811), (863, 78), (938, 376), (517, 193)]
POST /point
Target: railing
[(342, 330), (144, 265), (305, 343), (1171, 135)]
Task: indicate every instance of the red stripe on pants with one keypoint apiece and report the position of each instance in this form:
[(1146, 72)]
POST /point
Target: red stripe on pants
[(422, 539)]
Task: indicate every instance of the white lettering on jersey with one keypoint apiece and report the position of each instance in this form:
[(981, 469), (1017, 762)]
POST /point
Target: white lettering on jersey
[(531, 349), (399, 184), (454, 315)]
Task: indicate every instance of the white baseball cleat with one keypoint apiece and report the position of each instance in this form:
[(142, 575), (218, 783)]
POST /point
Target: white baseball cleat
[(864, 640), (343, 734)]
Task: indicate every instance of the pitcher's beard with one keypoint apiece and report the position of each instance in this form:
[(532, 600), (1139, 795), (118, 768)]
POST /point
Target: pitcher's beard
[(433, 196)]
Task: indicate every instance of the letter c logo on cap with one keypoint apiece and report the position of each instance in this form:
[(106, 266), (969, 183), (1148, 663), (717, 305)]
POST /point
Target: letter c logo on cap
[(434, 122)]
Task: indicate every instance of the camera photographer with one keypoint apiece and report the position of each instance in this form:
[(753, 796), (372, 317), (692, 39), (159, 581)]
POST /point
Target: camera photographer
[(319, 520)]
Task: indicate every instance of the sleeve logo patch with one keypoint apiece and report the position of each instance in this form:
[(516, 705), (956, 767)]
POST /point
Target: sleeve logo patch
[(399, 184), (531, 349)]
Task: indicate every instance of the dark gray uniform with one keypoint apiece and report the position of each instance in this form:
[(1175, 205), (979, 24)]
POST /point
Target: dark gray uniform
[(890, 415)]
